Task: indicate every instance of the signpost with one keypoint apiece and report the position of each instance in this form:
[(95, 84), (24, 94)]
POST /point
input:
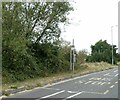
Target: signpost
[(72, 57)]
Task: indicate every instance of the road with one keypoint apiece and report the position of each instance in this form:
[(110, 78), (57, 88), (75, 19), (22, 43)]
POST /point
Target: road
[(102, 84)]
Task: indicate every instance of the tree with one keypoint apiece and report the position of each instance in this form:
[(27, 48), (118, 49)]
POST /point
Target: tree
[(102, 51), (81, 56), (29, 31)]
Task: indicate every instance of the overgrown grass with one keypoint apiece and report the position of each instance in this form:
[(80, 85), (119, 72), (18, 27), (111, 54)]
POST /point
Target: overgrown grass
[(38, 82)]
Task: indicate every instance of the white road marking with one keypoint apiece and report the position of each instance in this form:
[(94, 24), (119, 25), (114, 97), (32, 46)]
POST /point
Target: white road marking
[(115, 70), (51, 88), (94, 82), (112, 86), (95, 78), (72, 91), (103, 83), (74, 95), (98, 78), (116, 82), (106, 74), (88, 82), (2, 97), (53, 94), (99, 83), (75, 78), (109, 83), (106, 91), (80, 82), (116, 75), (63, 81), (103, 79), (91, 78), (93, 92)]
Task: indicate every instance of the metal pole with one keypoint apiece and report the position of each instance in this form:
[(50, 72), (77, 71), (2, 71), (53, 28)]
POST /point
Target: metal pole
[(73, 55), (73, 60), (112, 43), (70, 59)]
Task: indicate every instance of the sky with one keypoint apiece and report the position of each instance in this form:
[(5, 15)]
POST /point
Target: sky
[(91, 21)]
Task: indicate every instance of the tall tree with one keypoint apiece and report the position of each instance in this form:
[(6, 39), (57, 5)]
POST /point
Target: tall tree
[(102, 51)]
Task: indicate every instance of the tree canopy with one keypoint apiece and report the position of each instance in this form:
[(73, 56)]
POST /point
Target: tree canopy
[(102, 51)]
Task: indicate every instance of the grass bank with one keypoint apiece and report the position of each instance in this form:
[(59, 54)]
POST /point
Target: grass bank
[(38, 82)]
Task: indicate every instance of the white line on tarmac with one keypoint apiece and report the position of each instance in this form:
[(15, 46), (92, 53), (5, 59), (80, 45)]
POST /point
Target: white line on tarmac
[(102, 83), (109, 83), (116, 82), (2, 97), (99, 83), (88, 82), (72, 91), (93, 92), (115, 70), (74, 95), (80, 82), (116, 75), (106, 91), (94, 82), (53, 94), (112, 86), (106, 74)]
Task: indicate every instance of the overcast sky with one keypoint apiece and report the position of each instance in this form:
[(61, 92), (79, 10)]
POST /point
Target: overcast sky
[(91, 21)]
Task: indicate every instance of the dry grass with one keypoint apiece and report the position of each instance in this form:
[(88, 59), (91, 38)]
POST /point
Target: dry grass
[(38, 82)]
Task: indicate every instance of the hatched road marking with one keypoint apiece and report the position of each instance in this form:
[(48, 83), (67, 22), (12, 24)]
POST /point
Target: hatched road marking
[(88, 82), (94, 82), (106, 91), (112, 86), (116, 82), (102, 83), (116, 75)]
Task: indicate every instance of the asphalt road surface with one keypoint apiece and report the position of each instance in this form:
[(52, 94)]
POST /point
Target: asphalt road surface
[(102, 84)]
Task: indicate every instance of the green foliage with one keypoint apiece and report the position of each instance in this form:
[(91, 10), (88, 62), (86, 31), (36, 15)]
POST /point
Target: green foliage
[(81, 57), (47, 54), (64, 56), (30, 45), (118, 57), (102, 51)]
